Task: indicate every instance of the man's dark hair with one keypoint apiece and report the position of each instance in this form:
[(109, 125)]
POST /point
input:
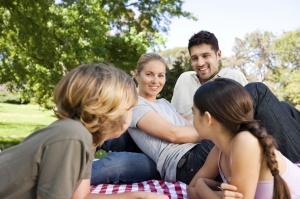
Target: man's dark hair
[(204, 37)]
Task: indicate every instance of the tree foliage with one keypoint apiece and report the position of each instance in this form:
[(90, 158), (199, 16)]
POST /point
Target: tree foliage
[(181, 64), (272, 59), (253, 55), (285, 77), (40, 40)]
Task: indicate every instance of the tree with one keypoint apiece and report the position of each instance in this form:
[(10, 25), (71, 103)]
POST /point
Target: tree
[(274, 60), (40, 41), (285, 77), (181, 64), (253, 54), (287, 48), (171, 55)]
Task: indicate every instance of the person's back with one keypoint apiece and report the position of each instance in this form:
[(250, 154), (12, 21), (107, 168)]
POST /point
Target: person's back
[(291, 176), (64, 138)]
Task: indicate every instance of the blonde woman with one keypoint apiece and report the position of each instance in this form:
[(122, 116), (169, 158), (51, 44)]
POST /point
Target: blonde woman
[(159, 131), (93, 103)]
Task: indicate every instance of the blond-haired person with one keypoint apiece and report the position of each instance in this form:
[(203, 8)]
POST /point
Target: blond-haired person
[(93, 103)]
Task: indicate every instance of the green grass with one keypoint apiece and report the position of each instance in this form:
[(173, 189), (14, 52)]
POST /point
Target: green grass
[(21, 120), (18, 121)]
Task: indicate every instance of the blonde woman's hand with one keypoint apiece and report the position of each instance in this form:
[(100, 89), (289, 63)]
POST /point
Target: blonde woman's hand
[(230, 192)]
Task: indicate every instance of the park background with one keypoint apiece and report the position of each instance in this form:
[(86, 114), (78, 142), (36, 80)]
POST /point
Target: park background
[(41, 40)]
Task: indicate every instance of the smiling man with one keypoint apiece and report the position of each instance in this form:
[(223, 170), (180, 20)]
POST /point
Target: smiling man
[(205, 55)]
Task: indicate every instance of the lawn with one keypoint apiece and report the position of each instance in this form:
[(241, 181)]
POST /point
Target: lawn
[(18, 121), (21, 120)]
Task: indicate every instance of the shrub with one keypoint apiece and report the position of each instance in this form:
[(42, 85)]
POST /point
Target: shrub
[(6, 142), (6, 97)]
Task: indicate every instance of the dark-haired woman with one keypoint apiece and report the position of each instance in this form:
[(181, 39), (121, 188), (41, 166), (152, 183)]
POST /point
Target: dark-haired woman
[(244, 154)]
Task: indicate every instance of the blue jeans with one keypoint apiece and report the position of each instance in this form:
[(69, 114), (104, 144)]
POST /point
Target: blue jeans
[(129, 167), (123, 167), (281, 120), (122, 143), (124, 163), (194, 161)]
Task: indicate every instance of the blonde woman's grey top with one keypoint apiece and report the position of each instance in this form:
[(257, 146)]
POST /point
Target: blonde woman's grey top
[(165, 154)]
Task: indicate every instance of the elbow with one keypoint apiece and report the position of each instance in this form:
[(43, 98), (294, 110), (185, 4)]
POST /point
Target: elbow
[(191, 193), (175, 139), (172, 137)]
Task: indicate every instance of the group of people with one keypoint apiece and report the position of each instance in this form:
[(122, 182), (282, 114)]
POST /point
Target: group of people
[(223, 136)]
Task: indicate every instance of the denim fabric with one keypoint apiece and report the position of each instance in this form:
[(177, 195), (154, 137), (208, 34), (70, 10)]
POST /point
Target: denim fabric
[(281, 120), (122, 143), (194, 162), (123, 167)]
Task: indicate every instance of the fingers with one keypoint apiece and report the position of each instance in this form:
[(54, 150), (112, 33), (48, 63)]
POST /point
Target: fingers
[(226, 186), (231, 195), (230, 191)]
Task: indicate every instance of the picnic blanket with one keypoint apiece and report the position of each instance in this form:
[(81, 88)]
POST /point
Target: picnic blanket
[(175, 190)]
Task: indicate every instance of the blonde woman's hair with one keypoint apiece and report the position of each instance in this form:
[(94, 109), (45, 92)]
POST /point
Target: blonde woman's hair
[(147, 57), (99, 95)]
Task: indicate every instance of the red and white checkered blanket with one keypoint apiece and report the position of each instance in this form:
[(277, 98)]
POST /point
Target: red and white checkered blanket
[(175, 190)]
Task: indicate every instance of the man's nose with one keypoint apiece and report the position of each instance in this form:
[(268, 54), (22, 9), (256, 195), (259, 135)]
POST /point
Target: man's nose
[(201, 61)]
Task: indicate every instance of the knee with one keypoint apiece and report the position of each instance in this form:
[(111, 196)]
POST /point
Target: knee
[(256, 87)]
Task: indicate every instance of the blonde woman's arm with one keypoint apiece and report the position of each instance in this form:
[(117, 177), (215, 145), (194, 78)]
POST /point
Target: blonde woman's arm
[(157, 126), (187, 123)]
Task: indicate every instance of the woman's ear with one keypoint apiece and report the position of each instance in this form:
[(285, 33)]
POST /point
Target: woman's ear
[(134, 77), (134, 73), (208, 117)]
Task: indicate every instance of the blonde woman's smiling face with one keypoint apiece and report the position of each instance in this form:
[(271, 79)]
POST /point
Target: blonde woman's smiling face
[(151, 79)]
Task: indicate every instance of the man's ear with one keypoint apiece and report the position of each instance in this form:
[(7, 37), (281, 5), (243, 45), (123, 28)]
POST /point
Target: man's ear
[(219, 54), (208, 118)]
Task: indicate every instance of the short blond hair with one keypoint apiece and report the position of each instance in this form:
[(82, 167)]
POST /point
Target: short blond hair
[(99, 95)]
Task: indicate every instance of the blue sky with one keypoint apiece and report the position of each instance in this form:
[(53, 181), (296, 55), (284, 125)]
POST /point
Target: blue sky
[(229, 19)]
